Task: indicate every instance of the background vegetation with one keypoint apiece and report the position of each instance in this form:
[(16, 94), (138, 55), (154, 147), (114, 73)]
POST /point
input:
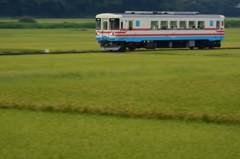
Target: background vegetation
[(89, 8), (27, 22)]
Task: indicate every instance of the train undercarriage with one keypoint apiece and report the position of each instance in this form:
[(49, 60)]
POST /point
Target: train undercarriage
[(121, 46)]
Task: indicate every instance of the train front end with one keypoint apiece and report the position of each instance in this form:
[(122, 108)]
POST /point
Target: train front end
[(107, 27)]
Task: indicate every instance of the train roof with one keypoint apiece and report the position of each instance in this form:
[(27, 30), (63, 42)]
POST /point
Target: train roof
[(158, 14)]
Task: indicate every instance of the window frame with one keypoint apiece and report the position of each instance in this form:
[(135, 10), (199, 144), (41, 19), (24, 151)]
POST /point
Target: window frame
[(105, 25), (154, 25), (192, 27), (184, 26), (162, 26), (130, 25), (218, 25), (114, 24), (173, 27), (201, 25), (98, 23)]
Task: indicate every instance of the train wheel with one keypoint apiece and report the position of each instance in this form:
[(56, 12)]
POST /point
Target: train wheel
[(191, 48), (122, 48), (201, 46), (131, 48), (210, 46)]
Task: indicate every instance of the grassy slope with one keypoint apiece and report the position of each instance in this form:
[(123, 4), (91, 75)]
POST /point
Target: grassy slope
[(37, 135)]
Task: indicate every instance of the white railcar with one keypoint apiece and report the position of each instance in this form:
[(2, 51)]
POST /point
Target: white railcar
[(159, 29)]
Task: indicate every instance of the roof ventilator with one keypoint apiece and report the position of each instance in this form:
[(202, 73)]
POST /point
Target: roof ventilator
[(161, 12)]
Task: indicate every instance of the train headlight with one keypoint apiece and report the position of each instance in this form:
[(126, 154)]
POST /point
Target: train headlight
[(97, 34), (112, 34)]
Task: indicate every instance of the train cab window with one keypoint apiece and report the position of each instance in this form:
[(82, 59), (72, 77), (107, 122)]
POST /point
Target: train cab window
[(130, 25), (191, 25), (182, 25), (98, 23), (114, 23), (173, 25), (154, 25), (164, 25), (105, 25), (201, 25), (223, 23)]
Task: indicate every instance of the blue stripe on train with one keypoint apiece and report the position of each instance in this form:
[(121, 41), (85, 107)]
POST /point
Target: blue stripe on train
[(139, 39)]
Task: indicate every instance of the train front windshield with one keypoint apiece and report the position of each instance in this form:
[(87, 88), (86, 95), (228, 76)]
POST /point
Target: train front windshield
[(98, 24), (114, 24)]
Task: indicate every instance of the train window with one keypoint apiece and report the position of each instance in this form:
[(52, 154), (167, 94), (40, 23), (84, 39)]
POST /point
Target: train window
[(164, 25), (191, 25), (154, 25), (173, 25), (182, 25), (223, 23), (218, 25), (201, 25), (130, 25), (105, 25), (98, 23), (211, 23), (114, 23), (137, 23), (121, 25)]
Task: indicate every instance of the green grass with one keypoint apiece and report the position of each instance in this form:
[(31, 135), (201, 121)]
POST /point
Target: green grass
[(192, 85), (37, 40), (179, 85), (232, 38), (233, 18), (17, 25), (37, 135)]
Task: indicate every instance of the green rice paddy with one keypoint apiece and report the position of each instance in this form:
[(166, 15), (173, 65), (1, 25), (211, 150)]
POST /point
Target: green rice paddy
[(154, 104), (37, 135)]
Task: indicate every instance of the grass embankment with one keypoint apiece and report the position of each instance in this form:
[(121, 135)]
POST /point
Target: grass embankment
[(191, 85), (37, 135)]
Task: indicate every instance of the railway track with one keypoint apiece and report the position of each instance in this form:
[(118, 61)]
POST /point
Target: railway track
[(100, 51)]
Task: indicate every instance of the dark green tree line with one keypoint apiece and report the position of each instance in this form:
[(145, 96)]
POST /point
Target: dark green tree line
[(89, 8)]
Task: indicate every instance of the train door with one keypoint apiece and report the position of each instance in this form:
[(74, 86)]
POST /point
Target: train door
[(105, 29), (130, 28), (130, 25)]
